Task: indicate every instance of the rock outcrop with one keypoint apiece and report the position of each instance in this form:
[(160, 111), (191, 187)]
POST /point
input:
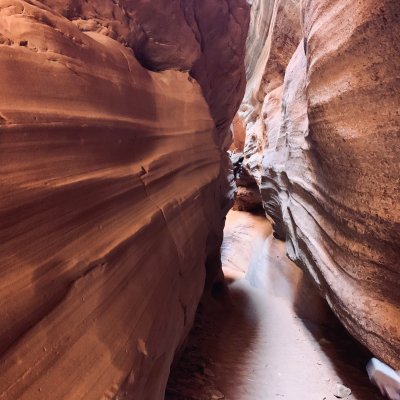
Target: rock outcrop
[(322, 141), (113, 187)]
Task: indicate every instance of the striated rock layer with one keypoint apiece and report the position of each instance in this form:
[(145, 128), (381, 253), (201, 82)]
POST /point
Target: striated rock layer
[(112, 193), (327, 162)]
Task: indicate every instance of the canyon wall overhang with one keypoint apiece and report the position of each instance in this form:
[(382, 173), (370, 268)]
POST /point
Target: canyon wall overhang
[(113, 187), (322, 141), (206, 38)]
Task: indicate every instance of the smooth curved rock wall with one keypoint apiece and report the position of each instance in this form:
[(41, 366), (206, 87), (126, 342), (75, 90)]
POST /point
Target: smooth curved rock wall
[(353, 106), (113, 194)]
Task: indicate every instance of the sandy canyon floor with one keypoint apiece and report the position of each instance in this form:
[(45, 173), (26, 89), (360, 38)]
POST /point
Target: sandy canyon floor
[(272, 337)]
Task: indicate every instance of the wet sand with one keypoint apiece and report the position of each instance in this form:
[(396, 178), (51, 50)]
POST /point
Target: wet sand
[(274, 338)]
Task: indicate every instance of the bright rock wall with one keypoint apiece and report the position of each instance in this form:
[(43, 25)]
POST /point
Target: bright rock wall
[(322, 140)]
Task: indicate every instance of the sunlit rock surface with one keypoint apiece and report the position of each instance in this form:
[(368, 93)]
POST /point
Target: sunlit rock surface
[(283, 36), (323, 144), (113, 192)]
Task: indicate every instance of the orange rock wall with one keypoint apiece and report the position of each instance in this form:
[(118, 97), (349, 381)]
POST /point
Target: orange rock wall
[(110, 193)]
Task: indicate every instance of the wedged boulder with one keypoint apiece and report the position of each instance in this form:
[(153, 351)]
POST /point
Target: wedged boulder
[(248, 196)]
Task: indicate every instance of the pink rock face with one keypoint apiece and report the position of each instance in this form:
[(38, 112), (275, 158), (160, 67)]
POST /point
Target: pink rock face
[(111, 202), (329, 176)]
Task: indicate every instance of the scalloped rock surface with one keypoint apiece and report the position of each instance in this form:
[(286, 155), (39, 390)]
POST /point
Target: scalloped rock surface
[(323, 144)]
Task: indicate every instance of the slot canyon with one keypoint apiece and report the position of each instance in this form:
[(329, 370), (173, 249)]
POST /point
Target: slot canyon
[(199, 199)]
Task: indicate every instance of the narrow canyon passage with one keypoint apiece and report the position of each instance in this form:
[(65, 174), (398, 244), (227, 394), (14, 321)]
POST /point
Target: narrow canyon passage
[(124, 125), (275, 338)]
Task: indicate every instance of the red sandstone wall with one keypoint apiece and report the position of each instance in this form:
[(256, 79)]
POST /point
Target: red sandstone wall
[(111, 199)]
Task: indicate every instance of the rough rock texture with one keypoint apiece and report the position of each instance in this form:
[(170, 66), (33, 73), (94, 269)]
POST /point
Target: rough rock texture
[(330, 160), (113, 191), (248, 196), (204, 37)]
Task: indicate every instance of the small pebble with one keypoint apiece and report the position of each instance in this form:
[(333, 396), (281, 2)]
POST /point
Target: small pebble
[(216, 395), (341, 391)]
